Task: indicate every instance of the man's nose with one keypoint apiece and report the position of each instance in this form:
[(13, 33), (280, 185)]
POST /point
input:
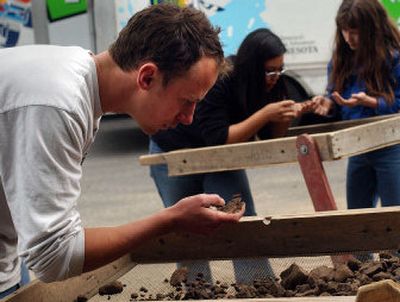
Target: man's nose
[(186, 115), (185, 118)]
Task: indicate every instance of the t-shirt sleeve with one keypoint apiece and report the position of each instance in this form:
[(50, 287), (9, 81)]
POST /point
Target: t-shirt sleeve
[(41, 171), (212, 114)]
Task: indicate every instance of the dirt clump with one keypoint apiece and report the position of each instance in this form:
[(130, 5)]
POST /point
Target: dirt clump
[(233, 206), (112, 288), (81, 298), (293, 276), (179, 276)]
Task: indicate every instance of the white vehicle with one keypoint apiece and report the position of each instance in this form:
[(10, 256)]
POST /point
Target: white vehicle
[(306, 27), (15, 23)]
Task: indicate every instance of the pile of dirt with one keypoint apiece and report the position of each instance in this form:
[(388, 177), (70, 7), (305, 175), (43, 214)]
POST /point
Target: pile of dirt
[(342, 280)]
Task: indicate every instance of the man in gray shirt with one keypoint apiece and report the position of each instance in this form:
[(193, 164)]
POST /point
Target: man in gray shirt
[(51, 101)]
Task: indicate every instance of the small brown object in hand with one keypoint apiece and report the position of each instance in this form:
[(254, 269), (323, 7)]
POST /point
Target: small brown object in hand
[(234, 205)]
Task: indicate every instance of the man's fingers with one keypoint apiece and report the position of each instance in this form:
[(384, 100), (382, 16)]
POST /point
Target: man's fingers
[(231, 217), (211, 200)]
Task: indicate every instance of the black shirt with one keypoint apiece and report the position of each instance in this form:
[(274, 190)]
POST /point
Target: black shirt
[(221, 107)]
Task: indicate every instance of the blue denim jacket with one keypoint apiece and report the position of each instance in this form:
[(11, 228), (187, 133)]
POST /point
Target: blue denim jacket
[(353, 85)]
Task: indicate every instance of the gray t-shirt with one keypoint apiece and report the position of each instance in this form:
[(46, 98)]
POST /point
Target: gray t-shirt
[(49, 114)]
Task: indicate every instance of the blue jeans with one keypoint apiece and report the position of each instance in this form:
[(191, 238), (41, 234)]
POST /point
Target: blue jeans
[(225, 184), (374, 175), (24, 280)]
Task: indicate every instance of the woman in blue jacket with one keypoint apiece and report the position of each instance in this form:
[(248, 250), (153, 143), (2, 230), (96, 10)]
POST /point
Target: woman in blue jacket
[(364, 81)]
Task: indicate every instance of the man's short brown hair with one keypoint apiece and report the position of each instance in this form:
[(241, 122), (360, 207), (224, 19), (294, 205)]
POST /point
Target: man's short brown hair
[(173, 38)]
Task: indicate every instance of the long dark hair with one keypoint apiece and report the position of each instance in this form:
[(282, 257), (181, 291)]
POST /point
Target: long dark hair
[(248, 71), (379, 38)]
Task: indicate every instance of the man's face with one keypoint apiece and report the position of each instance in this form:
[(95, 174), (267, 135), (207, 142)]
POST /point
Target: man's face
[(175, 103)]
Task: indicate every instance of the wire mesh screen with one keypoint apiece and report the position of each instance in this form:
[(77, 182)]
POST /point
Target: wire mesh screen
[(256, 278)]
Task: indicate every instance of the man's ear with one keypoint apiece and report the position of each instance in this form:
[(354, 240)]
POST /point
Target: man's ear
[(146, 75)]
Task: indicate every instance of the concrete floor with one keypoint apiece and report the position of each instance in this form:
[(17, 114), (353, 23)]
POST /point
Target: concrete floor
[(117, 189)]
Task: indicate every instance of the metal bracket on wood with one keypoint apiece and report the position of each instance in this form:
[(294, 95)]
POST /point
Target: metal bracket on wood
[(314, 173)]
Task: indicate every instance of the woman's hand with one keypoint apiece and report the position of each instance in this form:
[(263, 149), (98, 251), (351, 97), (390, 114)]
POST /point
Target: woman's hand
[(356, 99), (282, 111), (304, 107), (321, 105), (196, 214)]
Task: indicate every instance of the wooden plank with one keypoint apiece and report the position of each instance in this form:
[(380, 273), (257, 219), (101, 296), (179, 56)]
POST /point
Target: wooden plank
[(334, 126), (156, 159), (365, 138), (152, 159), (332, 146), (321, 233), (234, 156), (68, 290), (279, 236)]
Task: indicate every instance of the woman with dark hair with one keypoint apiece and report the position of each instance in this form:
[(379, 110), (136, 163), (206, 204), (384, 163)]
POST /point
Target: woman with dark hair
[(248, 102), (364, 81)]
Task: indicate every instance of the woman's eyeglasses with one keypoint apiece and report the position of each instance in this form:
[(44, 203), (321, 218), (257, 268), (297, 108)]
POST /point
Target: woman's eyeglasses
[(272, 74)]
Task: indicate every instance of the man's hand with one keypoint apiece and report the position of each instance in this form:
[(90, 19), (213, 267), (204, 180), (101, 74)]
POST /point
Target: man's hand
[(197, 214), (192, 214)]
